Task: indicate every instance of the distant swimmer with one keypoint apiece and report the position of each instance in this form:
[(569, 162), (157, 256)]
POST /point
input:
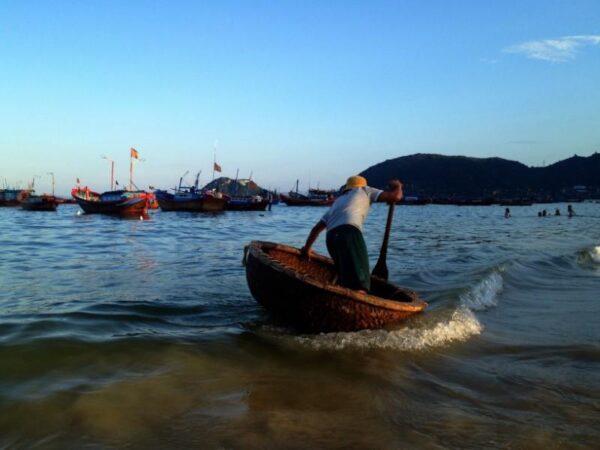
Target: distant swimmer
[(570, 211), (507, 213), (557, 212), (544, 213), (539, 214)]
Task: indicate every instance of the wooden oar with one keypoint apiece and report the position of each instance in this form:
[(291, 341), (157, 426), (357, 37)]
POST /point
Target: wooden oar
[(381, 269)]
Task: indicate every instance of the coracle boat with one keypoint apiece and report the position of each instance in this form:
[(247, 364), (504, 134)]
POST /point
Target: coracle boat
[(40, 203), (255, 203), (303, 292), (122, 203)]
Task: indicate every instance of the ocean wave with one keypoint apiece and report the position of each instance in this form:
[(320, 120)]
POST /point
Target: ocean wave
[(458, 325), (595, 254), (484, 294), (589, 257)]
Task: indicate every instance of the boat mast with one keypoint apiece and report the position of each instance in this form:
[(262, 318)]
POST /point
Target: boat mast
[(130, 170), (214, 159), (112, 171), (237, 172), (181, 179), (197, 180), (297, 182), (52, 175)]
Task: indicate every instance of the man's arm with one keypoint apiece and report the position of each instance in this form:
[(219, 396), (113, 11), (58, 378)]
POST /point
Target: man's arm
[(312, 237), (393, 195)]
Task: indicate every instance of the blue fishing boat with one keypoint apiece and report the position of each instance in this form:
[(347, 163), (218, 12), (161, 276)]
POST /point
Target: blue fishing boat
[(190, 198), (251, 203), (13, 197)]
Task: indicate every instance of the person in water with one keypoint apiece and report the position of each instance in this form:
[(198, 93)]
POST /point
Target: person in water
[(557, 212), (570, 210), (344, 221), (507, 213)]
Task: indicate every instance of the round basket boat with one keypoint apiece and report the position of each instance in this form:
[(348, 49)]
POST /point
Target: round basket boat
[(303, 292)]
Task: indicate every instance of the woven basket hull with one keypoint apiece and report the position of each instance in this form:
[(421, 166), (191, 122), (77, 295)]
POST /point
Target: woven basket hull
[(302, 293)]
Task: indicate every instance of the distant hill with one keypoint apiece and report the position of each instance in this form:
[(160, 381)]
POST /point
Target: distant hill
[(241, 187), (440, 175)]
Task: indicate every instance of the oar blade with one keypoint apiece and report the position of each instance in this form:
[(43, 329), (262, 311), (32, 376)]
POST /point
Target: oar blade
[(381, 270)]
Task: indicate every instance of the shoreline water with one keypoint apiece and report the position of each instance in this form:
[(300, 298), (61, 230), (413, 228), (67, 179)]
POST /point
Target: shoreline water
[(126, 333)]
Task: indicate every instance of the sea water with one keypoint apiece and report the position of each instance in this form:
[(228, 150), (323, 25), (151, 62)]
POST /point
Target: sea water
[(128, 333)]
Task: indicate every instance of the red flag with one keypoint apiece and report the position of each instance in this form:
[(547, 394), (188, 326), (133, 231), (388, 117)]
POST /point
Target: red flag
[(216, 167), (134, 153)]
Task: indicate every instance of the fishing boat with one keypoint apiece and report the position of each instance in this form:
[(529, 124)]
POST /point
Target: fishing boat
[(45, 202), (253, 203), (40, 203), (304, 292), (13, 197), (125, 202), (315, 197), (121, 203), (190, 198)]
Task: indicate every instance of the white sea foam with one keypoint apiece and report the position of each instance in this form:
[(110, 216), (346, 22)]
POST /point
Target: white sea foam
[(595, 254), (458, 325)]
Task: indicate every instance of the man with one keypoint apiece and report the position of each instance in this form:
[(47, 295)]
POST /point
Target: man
[(344, 222)]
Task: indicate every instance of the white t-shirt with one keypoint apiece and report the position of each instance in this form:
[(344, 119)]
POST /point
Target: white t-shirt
[(351, 208)]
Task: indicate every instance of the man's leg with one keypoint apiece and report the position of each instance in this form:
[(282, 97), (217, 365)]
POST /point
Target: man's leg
[(349, 252)]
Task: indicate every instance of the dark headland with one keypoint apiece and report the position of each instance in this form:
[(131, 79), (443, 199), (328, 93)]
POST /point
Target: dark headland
[(440, 178)]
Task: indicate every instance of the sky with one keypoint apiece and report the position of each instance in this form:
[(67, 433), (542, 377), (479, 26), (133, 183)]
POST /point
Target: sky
[(286, 90)]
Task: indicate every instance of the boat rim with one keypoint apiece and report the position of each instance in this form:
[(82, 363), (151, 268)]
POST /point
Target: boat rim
[(256, 249)]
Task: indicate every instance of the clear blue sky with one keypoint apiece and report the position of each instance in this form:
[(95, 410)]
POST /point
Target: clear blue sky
[(310, 90)]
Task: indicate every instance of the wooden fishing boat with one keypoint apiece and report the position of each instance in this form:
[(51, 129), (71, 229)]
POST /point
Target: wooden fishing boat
[(303, 292), (314, 198), (122, 203), (190, 200), (255, 203), (40, 203), (13, 197)]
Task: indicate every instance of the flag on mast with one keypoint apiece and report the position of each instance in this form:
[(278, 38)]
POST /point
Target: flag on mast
[(216, 167), (134, 153)]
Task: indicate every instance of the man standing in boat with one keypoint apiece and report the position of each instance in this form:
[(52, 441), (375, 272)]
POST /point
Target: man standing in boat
[(344, 222)]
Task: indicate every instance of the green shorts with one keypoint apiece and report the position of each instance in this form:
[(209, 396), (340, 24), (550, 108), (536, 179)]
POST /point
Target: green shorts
[(348, 250)]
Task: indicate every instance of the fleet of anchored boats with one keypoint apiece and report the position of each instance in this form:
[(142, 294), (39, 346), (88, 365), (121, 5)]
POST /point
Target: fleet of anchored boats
[(134, 202)]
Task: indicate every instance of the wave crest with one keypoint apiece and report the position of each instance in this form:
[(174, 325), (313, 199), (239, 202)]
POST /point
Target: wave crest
[(460, 326), (437, 329), (484, 294), (595, 254)]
